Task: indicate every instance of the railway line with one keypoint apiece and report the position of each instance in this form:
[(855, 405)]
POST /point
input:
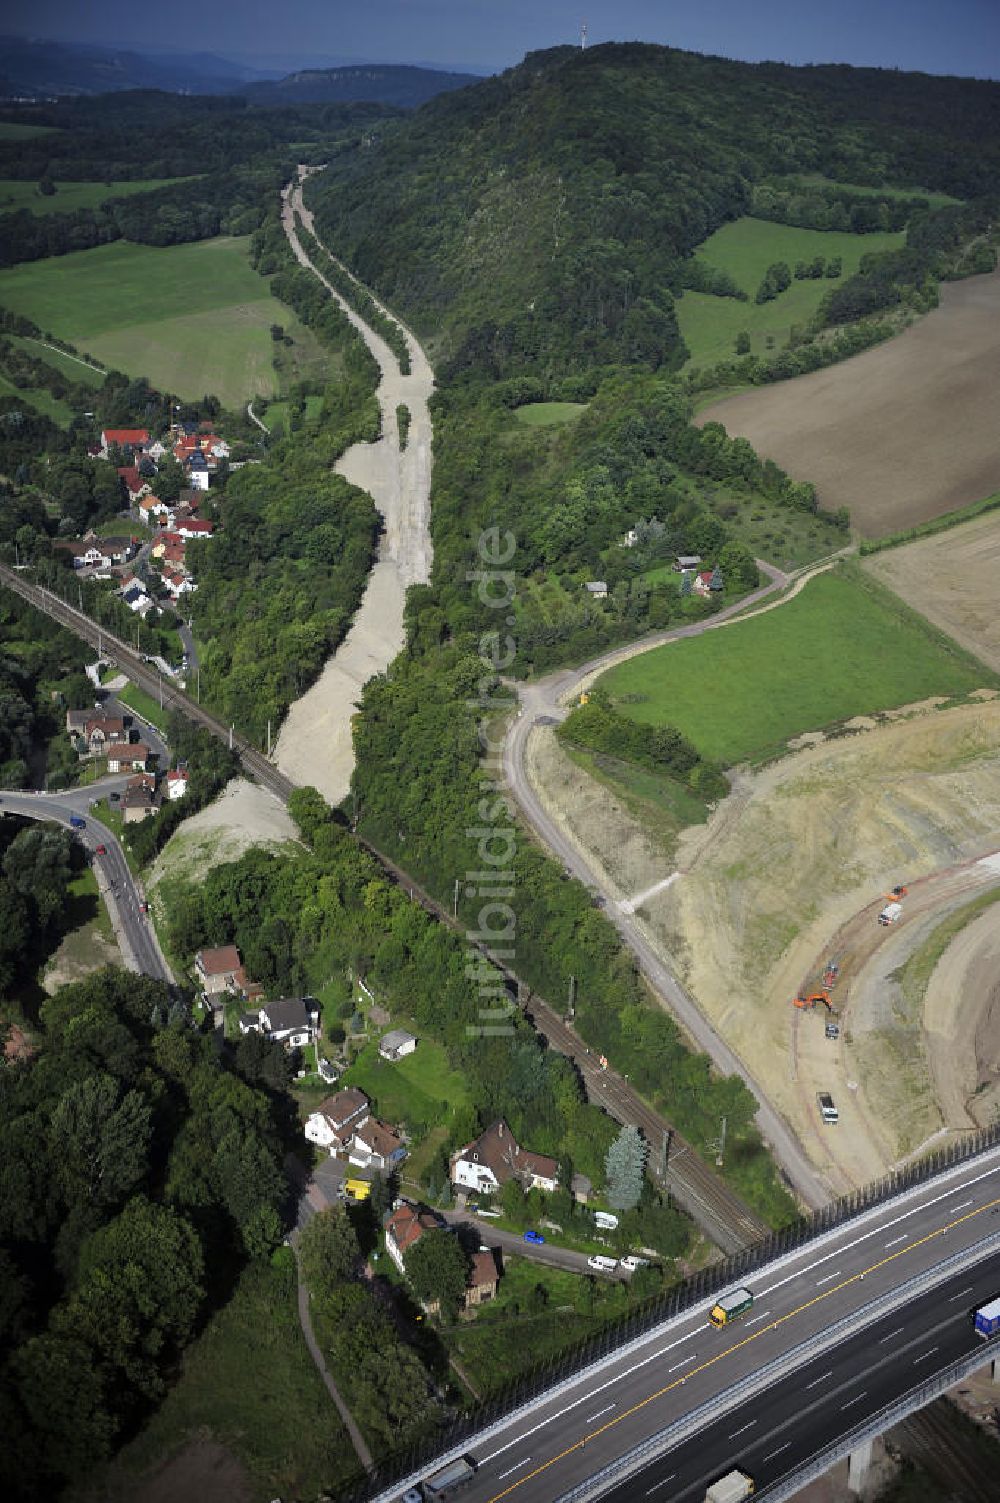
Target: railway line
[(717, 1209)]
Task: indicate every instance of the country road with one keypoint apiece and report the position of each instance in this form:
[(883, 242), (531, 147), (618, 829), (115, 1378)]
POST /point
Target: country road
[(542, 702)]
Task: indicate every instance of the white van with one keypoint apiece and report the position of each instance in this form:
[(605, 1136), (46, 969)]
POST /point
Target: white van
[(631, 1263), (601, 1264), (605, 1221)]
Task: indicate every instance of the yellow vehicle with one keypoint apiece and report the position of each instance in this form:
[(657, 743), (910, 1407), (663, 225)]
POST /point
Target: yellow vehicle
[(730, 1306), (357, 1189)]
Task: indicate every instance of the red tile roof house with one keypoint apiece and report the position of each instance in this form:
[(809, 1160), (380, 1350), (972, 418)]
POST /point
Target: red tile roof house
[(336, 1119), (177, 783), (134, 483), (102, 731), (128, 758), (405, 1226), (123, 438), (495, 1157), (193, 527), (220, 970)]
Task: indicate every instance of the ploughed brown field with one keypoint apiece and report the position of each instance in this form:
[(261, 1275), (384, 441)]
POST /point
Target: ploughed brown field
[(897, 434)]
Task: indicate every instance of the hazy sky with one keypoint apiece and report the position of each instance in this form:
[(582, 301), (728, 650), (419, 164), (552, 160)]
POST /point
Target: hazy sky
[(939, 36)]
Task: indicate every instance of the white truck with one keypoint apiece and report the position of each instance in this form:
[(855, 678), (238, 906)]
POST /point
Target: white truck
[(890, 913), (732, 1488)]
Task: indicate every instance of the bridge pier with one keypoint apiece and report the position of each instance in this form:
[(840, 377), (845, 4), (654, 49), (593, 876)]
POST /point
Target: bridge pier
[(995, 1370), (863, 1465)]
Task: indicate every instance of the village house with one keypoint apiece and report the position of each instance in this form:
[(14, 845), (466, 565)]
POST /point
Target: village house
[(177, 783), (292, 1021), (153, 510), (597, 589), (374, 1145), (685, 561), (140, 799), (220, 970), (396, 1043), (128, 758), (495, 1157), (484, 1278), (706, 582), (194, 527), (405, 1226), (334, 1122), (135, 484), (135, 439), (178, 584), (133, 592), (95, 733), (92, 552)]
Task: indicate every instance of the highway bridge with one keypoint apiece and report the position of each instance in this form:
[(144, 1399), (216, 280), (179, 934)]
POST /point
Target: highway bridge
[(846, 1334)]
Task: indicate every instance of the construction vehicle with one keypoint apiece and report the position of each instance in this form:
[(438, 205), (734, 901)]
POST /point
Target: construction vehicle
[(830, 975), (897, 893), (732, 1488), (890, 913), (809, 1002)]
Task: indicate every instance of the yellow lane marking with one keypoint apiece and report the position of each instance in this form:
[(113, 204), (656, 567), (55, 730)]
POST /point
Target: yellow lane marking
[(772, 1326)]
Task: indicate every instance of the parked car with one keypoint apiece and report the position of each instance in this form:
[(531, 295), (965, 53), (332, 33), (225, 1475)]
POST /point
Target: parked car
[(601, 1264), (827, 1110), (532, 1236), (101, 850), (631, 1263), (143, 907), (833, 1030)]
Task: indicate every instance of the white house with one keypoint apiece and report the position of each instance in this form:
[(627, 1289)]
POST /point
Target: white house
[(292, 1021), (336, 1119), (177, 783), (495, 1157), (131, 758), (376, 1146), (396, 1043), (406, 1226)]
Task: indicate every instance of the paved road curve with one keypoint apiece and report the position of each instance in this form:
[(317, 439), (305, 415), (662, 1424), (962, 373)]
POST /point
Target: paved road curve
[(542, 702), (134, 930), (715, 1382)]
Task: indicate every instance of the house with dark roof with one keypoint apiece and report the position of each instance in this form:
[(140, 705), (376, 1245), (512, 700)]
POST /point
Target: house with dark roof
[(128, 758), (292, 1021), (140, 800), (495, 1157), (374, 1145)]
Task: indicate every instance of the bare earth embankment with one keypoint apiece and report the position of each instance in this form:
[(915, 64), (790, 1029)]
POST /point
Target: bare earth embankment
[(800, 854), (899, 433), (315, 743), (953, 578)]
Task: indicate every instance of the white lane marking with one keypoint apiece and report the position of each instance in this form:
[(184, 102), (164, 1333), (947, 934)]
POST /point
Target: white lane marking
[(961, 1295), (657, 1485), (964, 1206), (771, 1454), (876, 1231), (897, 1240), (924, 1355), (823, 1379), (884, 1339), (520, 1464), (682, 1364), (606, 1410), (589, 1397), (827, 1279), (852, 1402), (762, 1316), (748, 1426)]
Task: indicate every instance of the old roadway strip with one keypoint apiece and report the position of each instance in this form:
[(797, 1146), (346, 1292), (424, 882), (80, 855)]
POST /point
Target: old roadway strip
[(738, 1346)]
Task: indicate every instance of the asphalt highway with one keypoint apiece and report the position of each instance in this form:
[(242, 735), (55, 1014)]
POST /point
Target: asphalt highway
[(677, 1370), (141, 951)]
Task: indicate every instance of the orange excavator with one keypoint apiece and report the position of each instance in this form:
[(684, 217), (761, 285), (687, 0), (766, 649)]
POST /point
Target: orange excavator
[(811, 1000), (896, 894)]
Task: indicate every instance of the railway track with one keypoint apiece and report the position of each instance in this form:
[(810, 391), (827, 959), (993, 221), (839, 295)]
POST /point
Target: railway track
[(720, 1213)]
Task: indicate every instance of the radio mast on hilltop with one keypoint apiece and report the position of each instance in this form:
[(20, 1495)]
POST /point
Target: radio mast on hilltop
[(583, 36)]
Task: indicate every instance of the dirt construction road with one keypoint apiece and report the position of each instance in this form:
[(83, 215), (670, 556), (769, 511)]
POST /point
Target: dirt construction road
[(315, 744), (903, 432)]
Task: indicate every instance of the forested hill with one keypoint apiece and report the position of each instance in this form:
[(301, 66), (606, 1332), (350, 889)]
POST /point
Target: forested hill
[(541, 219), (400, 85)]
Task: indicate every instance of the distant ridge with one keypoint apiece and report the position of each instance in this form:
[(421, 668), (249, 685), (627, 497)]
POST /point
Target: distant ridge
[(383, 83), (38, 69)]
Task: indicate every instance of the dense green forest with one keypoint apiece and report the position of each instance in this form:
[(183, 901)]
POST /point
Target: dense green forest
[(542, 220), (229, 161), (41, 674)]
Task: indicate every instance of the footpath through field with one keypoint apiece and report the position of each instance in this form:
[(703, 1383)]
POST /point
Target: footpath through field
[(315, 744)]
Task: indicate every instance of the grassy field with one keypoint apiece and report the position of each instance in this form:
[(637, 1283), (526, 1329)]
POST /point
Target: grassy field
[(40, 399), (249, 1382), (421, 1089), (549, 414), (9, 131), (69, 365), (745, 249), (15, 194), (816, 179), (193, 318), (839, 649)]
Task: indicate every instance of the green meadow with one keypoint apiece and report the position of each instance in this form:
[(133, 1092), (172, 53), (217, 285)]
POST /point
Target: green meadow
[(549, 414), (838, 649), (745, 249), (11, 131), (817, 180), (194, 318), (15, 194)]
